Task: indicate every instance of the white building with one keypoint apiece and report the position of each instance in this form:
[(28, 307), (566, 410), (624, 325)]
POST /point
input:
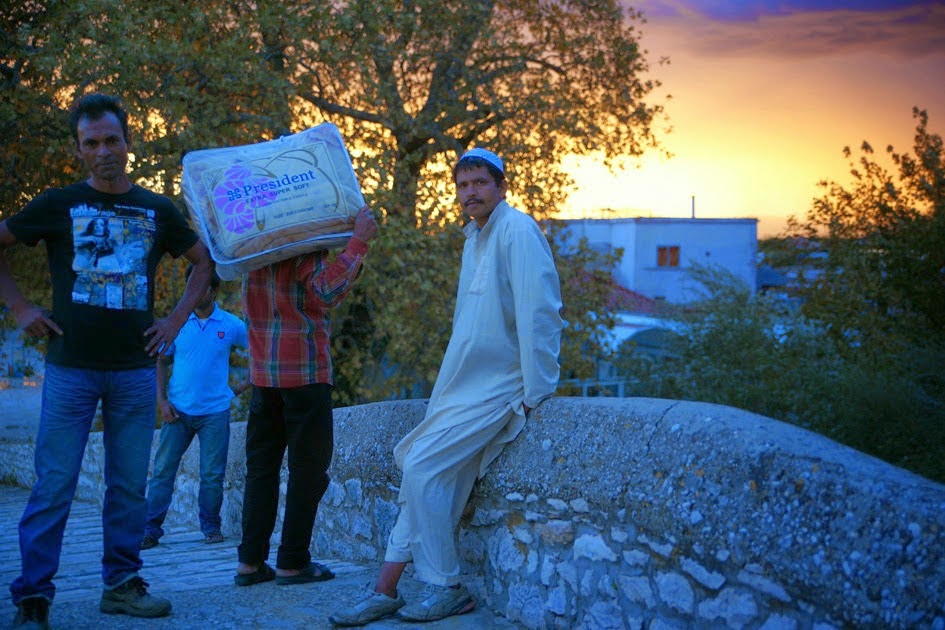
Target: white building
[(659, 252)]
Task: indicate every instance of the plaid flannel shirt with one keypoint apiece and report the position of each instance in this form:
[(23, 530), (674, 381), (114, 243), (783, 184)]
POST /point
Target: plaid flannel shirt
[(286, 306)]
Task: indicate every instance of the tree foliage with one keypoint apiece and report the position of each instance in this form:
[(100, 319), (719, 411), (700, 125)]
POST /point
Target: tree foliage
[(860, 358), (411, 84), (763, 354), (748, 351), (884, 280)]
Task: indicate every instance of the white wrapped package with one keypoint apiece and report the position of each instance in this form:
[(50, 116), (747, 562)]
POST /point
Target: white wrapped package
[(261, 203)]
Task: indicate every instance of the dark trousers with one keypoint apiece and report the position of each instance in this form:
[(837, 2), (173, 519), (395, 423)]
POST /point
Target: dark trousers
[(300, 418)]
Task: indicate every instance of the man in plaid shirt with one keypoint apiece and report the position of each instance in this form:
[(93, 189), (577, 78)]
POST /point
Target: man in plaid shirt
[(286, 306)]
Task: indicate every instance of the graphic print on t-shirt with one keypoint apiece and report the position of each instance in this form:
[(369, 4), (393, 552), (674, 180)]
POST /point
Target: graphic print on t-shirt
[(111, 255)]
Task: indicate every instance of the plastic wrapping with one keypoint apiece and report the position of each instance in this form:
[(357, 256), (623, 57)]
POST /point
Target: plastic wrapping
[(262, 203)]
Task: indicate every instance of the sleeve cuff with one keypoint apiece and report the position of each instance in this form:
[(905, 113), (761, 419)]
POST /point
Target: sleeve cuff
[(356, 246)]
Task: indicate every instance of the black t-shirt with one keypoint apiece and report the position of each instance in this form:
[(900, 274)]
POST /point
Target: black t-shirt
[(103, 250)]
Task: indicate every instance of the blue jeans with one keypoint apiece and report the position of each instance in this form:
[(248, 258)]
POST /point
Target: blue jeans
[(70, 398), (213, 431)]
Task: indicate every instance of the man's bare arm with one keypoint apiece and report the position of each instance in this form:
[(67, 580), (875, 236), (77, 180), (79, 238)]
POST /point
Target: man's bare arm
[(30, 317), (164, 331), (168, 412)]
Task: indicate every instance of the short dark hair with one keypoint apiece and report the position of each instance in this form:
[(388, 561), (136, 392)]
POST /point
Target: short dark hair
[(472, 162), (93, 107), (214, 279)]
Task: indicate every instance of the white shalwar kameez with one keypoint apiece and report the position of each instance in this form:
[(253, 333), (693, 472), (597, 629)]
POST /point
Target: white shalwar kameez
[(503, 353)]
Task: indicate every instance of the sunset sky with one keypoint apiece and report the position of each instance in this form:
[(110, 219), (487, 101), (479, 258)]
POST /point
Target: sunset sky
[(765, 95)]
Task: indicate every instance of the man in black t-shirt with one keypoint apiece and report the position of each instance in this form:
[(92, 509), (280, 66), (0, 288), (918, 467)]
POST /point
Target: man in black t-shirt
[(104, 238)]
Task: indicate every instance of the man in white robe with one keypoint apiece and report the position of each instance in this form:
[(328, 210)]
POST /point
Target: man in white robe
[(501, 362)]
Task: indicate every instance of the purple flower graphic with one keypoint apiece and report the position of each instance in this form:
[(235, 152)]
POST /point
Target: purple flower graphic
[(237, 202)]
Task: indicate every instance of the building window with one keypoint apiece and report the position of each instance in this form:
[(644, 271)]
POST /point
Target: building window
[(667, 256)]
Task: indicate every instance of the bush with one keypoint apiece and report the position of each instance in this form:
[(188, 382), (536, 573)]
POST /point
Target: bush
[(757, 354)]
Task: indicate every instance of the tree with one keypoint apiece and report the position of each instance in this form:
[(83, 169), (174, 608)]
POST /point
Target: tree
[(860, 360), (884, 284), (754, 352), (762, 354), (882, 295), (411, 84)]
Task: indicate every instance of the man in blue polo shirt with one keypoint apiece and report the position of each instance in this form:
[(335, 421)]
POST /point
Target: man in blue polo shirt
[(197, 402)]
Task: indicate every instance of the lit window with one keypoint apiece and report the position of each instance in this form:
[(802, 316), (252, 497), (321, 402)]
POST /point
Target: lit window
[(667, 256)]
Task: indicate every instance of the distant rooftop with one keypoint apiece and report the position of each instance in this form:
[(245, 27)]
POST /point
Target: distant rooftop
[(623, 299)]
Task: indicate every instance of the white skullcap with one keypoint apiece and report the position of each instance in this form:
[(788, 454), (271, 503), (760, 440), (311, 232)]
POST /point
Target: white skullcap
[(488, 156)]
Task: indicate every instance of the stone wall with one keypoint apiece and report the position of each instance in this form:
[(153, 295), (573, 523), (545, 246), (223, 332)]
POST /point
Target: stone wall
[(632, 513), (17, 360)]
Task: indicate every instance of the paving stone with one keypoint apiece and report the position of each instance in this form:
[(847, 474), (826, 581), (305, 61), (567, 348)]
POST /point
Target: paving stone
[(198, 579)]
